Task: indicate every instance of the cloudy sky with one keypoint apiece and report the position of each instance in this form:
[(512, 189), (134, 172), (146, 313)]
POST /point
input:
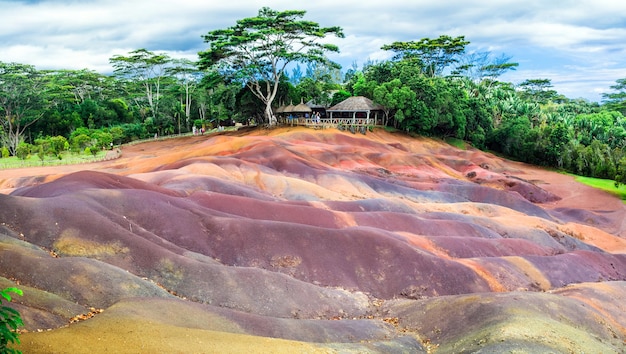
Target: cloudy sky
[(579, 45)]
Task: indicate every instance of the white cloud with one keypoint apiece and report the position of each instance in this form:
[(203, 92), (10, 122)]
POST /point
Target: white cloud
[(544, 37)]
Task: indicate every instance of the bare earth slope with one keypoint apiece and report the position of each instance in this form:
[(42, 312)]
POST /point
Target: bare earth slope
[(296, 240)]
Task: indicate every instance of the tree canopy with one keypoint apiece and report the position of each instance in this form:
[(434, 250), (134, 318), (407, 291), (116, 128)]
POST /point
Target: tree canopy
[(257, 50), (21, 101), (434, 55), (146, 69), (617, 100)]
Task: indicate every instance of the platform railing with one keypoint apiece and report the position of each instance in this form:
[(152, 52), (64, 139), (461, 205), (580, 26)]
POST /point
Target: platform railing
[(328, 122)]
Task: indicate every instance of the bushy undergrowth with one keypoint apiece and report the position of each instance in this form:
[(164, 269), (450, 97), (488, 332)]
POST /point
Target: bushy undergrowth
[(65, 158), (10, 320)]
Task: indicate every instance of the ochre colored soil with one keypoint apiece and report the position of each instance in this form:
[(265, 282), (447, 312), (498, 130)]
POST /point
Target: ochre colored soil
[(311, 241)]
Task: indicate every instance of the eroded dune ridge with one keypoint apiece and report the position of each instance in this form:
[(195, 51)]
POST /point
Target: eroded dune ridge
[(296, 240)]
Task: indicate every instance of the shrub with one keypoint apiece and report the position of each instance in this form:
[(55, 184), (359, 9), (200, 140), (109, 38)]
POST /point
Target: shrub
[(58, 144), (41, 153), (103, 139), (5, 152), (81, 141), (23, 150), (10, 319), (93, 150)]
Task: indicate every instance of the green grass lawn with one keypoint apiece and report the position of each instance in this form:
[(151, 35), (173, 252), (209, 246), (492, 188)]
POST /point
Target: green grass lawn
[(68, 158), (604, 184), (457, 143)]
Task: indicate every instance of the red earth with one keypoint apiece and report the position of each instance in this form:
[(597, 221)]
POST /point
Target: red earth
[(298, 240)]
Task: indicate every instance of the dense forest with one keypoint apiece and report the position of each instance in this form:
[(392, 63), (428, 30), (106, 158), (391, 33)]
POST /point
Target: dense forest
[(430, 87)]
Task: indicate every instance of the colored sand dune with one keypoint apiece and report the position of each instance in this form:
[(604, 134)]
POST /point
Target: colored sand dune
[(294, 240)]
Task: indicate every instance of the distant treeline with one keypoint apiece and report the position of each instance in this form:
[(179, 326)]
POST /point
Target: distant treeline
[(450, 94)]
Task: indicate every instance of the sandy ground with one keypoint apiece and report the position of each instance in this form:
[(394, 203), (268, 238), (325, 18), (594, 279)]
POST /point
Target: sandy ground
[(579, 196), (141, 157), (136, 158)]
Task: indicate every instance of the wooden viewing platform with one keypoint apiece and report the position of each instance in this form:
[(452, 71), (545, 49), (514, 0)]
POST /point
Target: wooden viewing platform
[(356, 113), (324, 123)]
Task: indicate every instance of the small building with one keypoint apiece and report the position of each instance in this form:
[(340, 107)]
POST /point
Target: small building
[(298, 111), (302, 110), (293, 114), (283, 112), (361, 110), (317, 108)]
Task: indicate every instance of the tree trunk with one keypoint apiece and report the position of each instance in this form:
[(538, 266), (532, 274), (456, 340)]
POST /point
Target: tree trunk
[(269, 115)]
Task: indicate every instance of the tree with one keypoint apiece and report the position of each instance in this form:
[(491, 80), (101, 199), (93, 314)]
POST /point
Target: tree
[(101, 139), (318, 84), (53, 145), (512, 137), (23, 150), (620, 174), (296, 75), (216, 99), (146, 69), (396, 98), (339, 96), (482, 67), (616, 100), (21, 101), (80, 139), (258, 49), (188, 76), (364, 86), (537, 90), (76, 86), (310, 89), (478, 122), (434, 55), (556, 137)]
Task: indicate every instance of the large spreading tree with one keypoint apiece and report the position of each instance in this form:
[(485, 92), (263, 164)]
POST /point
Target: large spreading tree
[(22, 101), (434, 55), (257, 50), (147, 70)]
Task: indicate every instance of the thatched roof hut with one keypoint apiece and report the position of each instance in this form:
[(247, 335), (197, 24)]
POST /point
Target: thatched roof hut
[(357, 107), (301, 108), (288, 109), (356, 103)]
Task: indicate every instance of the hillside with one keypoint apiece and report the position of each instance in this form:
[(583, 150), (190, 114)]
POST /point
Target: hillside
[(296, 240)]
